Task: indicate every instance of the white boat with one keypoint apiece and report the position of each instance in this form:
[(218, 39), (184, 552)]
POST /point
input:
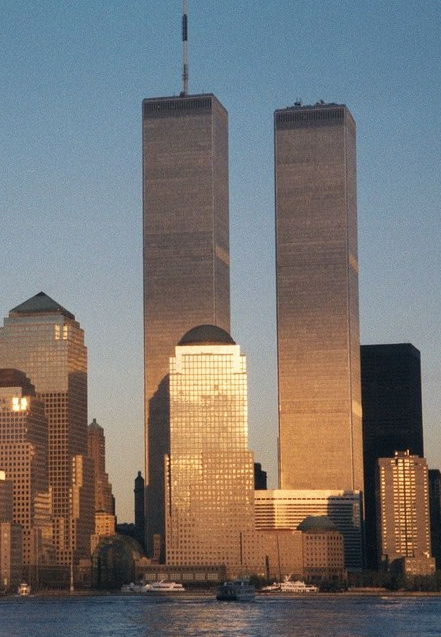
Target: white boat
[(271, 588), (163, 587), (297, 587), (24, 589), (132, 588), (239, 590)]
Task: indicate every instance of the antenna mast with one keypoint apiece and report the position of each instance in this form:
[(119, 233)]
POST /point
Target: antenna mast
[(185, 46)]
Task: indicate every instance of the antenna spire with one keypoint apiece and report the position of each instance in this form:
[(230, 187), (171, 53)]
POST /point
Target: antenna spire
[(185, 47)]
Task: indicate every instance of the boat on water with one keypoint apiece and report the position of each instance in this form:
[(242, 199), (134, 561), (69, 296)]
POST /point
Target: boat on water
[(163, 587), (239, 590), (290, 587), (24, 589)]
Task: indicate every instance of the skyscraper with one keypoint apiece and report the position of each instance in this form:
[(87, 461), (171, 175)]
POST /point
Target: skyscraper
[(210, 471), (392, 417), (320, 436), (96, 446), (24, 457), (186, 254), (43, 339)]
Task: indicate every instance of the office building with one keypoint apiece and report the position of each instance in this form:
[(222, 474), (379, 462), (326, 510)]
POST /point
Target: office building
[(320, 436), (323, 550), (435, 514), (186, 257), (392, 417), (285, 509), (43, 339), (210, 471), (24, 458), (11, 536), (403, 513), (104, 500)]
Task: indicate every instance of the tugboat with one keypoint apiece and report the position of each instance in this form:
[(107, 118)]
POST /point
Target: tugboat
[(239, 590)]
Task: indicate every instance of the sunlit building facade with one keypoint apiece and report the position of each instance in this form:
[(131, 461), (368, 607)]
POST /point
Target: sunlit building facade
[(285, 509), (320, 434), (403, 516), (104, 500), (44, 340), (24, 458), (186, 257), (210, 471)]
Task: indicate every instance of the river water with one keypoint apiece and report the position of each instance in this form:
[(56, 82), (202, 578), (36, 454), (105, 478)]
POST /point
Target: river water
[(140, 616)]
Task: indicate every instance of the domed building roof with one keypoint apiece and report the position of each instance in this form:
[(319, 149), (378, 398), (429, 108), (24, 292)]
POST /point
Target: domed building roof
[(206, 335), (317, 523)]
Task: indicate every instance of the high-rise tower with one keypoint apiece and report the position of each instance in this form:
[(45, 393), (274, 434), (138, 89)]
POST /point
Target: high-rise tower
[(43, 339), (210, 471), (392, 417), (186, 253), (320, 436)]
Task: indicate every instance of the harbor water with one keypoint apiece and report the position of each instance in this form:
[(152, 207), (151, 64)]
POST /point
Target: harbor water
[(141, 616)]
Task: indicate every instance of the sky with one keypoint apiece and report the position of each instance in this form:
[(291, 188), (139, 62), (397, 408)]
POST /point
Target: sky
[(72, 78)]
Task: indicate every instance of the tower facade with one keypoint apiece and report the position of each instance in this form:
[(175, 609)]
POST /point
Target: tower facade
[(403, 511), (44, 340), (24, 458), (392, 417), (210, 471), (96, 445), (320, 435), (186, 255)]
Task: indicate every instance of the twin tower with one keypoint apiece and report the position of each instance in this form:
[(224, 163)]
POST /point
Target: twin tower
[(187, 283)]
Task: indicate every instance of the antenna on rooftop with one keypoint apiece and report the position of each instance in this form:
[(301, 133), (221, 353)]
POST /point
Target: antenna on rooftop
[(185, 46)]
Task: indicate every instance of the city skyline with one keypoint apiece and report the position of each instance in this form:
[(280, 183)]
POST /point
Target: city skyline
[(71, 176)]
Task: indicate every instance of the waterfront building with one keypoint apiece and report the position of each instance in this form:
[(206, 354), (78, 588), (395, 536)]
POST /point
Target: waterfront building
[(24, 458), (44, 340), (392, 417), (210, 475), (318, 342), (286, 509), (186, 257), (403, 513), (11, 536), (322, 550)]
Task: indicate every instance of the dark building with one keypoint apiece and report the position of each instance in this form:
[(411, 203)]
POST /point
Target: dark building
[(392, 417), (318, 341), (139, 492), (435, 514), (260, 480), (186, 258)]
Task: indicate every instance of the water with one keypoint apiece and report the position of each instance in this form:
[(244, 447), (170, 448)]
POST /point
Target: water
[(139, 616)]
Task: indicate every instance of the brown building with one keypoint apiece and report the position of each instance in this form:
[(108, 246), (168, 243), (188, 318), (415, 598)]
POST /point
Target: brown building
[(403, 513), (104, 500), (24, 458), (320, 435), (186, 256), (44, 340), (323, 550)]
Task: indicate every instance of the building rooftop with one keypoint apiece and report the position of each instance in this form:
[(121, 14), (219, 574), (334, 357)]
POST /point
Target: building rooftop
[(317, 523), (10, 377), (41, 303), (206, 335)]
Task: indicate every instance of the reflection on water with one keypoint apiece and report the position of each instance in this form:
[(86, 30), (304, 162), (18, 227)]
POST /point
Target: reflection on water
[(138, 616)]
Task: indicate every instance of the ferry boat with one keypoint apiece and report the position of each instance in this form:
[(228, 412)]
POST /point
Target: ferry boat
[(239, 590), (24, 589), (297, 587)]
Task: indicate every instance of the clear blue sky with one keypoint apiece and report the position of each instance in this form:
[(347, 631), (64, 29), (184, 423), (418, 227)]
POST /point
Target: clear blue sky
[(72, 78)]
